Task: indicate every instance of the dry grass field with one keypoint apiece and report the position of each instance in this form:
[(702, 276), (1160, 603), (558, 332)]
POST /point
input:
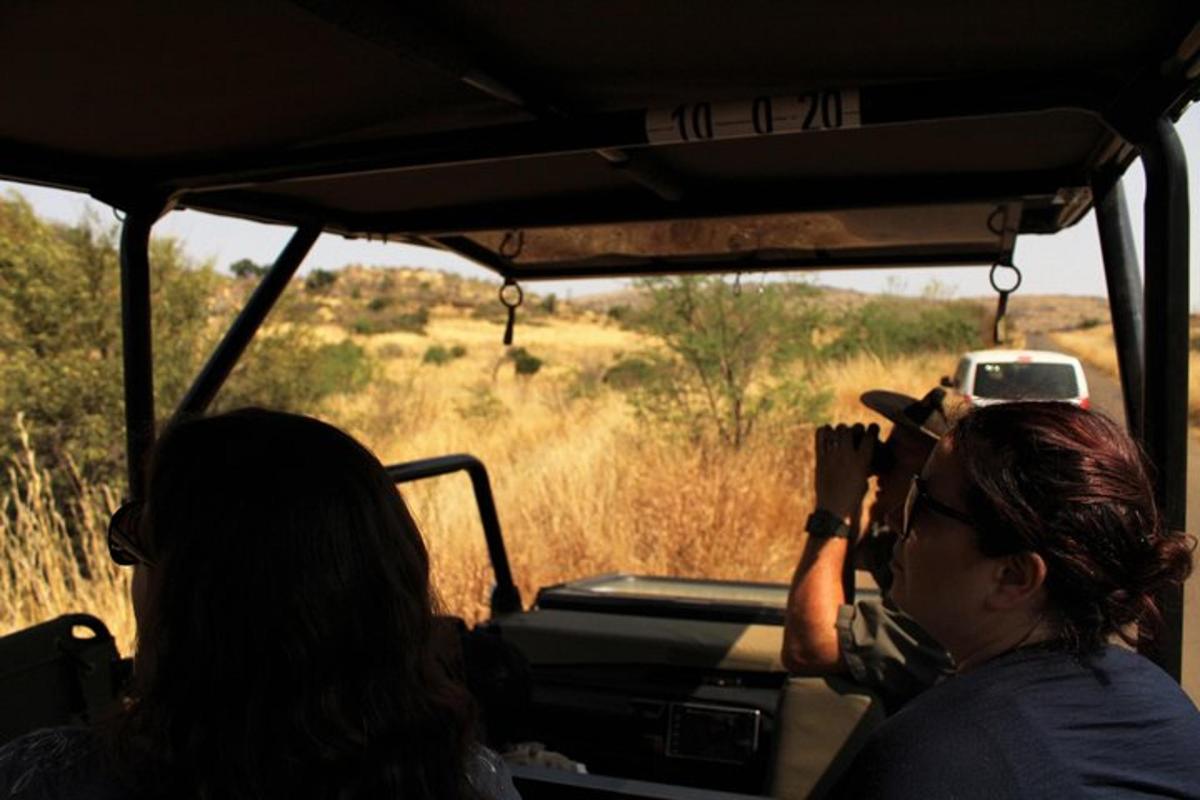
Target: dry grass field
[(1095, 346), (45, 573), (582, 485)]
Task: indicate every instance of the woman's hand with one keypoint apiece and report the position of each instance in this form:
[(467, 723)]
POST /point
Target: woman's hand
[(843, 465)]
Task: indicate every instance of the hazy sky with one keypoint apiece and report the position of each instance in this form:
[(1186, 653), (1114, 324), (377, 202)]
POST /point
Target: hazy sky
[(1066, 263)]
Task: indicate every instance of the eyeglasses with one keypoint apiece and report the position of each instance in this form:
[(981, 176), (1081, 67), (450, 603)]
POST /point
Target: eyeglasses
[(919, 498), (124, 536)]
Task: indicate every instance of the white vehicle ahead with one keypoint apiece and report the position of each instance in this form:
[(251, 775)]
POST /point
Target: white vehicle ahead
[(984, 377)]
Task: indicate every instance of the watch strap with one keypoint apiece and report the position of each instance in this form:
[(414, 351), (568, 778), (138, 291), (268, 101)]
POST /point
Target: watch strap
[(824, 524)]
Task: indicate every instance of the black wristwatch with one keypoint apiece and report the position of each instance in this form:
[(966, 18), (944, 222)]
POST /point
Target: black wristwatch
[(824, 524)]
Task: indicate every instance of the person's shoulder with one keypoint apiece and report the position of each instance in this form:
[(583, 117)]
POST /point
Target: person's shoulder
[(1143, 682), (490, 776), (1122, 661), (47, 746), (946, 719), (51, 763), (930, 750), (1111, 671)]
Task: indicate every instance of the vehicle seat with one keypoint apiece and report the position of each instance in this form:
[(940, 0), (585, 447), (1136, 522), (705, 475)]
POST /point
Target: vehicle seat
[(63, 672), (823, 723)]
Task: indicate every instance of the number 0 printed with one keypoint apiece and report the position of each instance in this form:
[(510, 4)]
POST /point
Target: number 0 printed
[(823, 110)]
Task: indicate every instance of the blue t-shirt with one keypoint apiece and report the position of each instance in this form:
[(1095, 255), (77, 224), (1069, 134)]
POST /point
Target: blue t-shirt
[(1038, 723), (67, 764)]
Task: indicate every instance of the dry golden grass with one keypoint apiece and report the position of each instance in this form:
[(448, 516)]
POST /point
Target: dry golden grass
[(582, 487), (1095, 346), (45, 573)]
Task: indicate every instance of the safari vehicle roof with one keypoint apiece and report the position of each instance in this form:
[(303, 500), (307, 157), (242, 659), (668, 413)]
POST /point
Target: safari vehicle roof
[(961, 125)]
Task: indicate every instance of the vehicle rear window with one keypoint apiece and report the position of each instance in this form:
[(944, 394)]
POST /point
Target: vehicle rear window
[(1016, 381)]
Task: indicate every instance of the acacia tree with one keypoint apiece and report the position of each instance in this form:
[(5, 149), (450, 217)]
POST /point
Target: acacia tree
[(246, 269), (729, 346)]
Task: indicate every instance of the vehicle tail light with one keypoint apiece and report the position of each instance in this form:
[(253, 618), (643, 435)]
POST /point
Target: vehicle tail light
[(1085, 403)]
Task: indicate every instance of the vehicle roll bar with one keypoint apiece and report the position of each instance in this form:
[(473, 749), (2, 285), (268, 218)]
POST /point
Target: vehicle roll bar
[(506, 598), (237, 338), (1123, 276), (136, 350), (1165, 386)]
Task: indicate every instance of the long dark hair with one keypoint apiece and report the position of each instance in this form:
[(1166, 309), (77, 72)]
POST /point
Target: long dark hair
[(1072, 486), (286, 646)]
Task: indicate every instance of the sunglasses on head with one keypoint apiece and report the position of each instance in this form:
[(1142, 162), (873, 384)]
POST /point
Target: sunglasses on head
[(920, 498), (125, 545)]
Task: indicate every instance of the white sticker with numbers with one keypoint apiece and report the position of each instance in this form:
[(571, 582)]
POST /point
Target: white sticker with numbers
[(824, 110)]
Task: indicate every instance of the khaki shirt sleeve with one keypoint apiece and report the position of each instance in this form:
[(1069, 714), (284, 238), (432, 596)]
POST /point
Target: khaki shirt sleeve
[(885, 650)]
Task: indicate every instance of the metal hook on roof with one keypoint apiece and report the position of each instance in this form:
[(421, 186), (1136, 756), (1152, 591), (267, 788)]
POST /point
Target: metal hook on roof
[(999, 326), (512, 244), (1002, 212), (510, 300)]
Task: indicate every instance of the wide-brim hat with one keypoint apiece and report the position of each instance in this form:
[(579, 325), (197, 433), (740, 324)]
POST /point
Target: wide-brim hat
[(926, 416)]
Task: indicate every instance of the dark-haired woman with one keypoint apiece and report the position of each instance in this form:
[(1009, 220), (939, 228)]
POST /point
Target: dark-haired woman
[(284, 635), (1030, 541)]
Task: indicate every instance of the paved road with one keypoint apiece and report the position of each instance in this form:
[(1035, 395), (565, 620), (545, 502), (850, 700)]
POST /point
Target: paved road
[(1106, 396)]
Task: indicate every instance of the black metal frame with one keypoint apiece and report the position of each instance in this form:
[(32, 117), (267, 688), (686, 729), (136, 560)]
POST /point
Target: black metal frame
[(1040, 193), (138, 358), (1153, 364), (506, 598), (1153, 369), (1123, 276), (1165, 387), (237, 338)]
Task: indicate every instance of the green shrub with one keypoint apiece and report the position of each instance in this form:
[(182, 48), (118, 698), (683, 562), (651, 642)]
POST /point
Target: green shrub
[(893, 326), (440, 354), (341, 368), (524, 362), (60, 336), (391, 322), (288, 370), (436, 354), (319, 279), (60, 343), (412, 321), (246, 269), (633, 372), (726, 348)]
